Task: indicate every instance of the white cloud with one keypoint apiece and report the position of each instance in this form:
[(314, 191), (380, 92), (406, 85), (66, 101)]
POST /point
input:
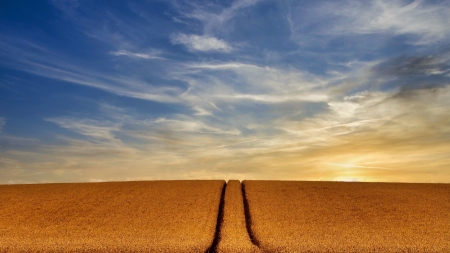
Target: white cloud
[(201, 111), (277, 98), (41, 61), (92, 128), (201, 43), (123, 86), (190, 125), (429, 22), (213, 21), (135, 55), (255, 83)]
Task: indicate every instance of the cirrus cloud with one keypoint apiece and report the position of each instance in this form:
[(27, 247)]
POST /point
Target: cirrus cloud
[(427, 23), (201, 43), (135, 55)]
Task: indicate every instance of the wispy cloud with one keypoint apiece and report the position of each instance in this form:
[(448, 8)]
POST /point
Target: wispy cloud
[(201, 43), (44, 62), (427, 22), (93, 128), (136, 55), (212, 21), (193, 126)]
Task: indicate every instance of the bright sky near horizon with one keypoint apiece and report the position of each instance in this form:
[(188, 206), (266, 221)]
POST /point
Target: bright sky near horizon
[(246, 89)]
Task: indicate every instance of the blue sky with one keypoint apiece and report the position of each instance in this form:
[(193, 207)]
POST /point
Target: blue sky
[(245, 89)]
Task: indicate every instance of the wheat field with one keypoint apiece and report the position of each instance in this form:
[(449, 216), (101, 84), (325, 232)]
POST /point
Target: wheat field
[(233, 236), (211, 216), (152, 216), (349, 217)]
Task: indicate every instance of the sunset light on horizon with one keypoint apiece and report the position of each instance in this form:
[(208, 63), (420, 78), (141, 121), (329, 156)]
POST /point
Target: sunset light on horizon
[(94, 91)]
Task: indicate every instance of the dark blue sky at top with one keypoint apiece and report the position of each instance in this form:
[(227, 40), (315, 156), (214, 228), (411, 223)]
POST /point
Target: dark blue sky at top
[(26, 99), (68, 60), (262, 30)]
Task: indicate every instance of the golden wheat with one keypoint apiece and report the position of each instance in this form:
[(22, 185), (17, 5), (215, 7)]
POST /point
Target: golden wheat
[(233, 235), (349, 217), (156, 216)]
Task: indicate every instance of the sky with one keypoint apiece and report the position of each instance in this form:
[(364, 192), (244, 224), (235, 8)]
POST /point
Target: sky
[(344, 90)]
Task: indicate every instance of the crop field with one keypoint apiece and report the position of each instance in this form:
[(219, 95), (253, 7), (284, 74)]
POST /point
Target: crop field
[(210, 216), (152, 216), (233, 235), (349, 217)]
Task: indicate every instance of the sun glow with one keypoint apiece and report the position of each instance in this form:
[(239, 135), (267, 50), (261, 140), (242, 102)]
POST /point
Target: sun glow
[(347, 172), (348, 165), (348, 179)]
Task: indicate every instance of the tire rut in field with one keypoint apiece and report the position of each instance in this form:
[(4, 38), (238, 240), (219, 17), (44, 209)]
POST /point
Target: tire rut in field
[(232, 234), (219, 221), (248, 219)]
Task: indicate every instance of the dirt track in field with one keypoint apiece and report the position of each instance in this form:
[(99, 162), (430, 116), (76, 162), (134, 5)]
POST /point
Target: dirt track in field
[(233, 235), (209, 216)]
